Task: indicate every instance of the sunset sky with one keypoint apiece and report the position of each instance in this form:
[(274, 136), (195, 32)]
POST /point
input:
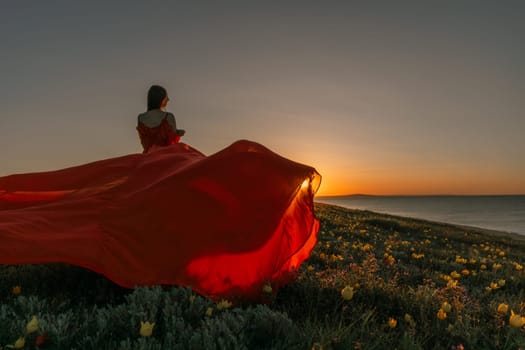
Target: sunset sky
[(381, 97)]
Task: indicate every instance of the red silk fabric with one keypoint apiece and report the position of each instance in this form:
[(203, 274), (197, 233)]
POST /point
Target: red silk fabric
[(225, 224), (162, 135)]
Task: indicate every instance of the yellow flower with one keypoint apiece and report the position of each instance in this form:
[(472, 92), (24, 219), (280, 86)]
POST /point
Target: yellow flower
[(310, 268), (446, 306), (209, 311), (392, 322), (32, 326), (516, 320), (223, 304), (455, 275), (347, 293), (19, 344), (267, 288), (465, 272), (441, 314), (501, 282), (389, 259), (518, 267), (446, 277), (483, 267), (366, 247), (503, 308), (146, 328), (17, 290), (496, 266), (460, 260), (452, 284), (472, 261), (493, 285)]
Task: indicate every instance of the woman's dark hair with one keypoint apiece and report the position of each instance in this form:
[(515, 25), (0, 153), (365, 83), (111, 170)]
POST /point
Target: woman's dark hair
[(156, 94)]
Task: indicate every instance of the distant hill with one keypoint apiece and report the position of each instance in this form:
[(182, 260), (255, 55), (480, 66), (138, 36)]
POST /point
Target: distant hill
[(355, 195)]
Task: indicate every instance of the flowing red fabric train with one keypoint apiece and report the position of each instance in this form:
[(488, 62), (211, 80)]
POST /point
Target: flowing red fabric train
[(224, 224)]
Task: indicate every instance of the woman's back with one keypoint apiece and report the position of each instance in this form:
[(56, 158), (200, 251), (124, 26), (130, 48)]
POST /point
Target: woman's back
[(157, 128), (154, 118)]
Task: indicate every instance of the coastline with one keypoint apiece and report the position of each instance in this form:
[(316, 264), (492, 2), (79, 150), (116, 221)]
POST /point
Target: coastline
[(473, 229), (496, 214)]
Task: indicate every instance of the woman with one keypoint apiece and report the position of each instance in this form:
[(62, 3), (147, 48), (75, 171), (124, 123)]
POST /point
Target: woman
[(229, 225), (157, 127)]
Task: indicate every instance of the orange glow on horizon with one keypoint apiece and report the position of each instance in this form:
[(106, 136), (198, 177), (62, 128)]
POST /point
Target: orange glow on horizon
[(400, 184)]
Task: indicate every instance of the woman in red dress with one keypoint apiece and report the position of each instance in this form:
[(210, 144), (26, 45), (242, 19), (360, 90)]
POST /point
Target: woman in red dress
[(227, 224), (157, 127)]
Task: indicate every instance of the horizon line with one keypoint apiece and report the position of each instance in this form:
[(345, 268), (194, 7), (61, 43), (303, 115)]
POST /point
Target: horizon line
[(420, 195)]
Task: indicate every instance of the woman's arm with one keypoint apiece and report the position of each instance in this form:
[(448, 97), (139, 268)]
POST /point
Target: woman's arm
[(173, 124)]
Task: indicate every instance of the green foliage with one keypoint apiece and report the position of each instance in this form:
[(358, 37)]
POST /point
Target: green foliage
[(179, 316), (400, 269)]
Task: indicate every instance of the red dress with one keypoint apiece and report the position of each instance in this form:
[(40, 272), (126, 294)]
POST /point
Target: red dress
[(225, 224), (162, 135)]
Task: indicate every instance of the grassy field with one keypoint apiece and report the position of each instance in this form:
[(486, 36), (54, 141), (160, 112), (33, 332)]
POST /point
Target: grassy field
[(373, 282)]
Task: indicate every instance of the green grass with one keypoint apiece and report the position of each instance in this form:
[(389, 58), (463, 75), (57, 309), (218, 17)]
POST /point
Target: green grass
[(400, 269)]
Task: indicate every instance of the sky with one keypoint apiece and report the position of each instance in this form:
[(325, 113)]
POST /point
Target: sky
[(381, 97)]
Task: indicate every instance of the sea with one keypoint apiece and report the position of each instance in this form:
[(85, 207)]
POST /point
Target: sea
[(501, 213)]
